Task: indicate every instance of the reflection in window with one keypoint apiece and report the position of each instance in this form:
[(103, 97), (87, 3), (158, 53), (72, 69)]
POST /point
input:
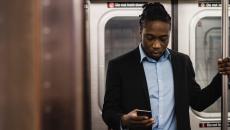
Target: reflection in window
[(121, 36), (208, 50)]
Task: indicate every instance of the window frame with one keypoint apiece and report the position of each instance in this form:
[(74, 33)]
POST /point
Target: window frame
[(192, 52)]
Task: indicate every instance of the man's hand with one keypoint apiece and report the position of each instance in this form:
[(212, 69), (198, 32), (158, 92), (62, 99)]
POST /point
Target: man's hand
[(224, 66), (132, 120)]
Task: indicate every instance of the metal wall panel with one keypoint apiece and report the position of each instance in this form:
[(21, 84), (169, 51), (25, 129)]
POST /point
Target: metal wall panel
[(58, 66), (19, 100)]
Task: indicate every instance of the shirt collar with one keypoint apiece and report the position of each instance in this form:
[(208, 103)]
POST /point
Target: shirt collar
[(165, 56)]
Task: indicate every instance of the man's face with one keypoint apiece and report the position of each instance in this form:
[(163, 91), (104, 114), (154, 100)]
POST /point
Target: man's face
[(155, 38)]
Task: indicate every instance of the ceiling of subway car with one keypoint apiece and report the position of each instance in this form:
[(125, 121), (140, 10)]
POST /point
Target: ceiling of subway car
[(165, 1), (130, 0)]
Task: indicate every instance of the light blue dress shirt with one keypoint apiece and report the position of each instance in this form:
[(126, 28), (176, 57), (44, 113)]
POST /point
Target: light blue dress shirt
[(159, 77)]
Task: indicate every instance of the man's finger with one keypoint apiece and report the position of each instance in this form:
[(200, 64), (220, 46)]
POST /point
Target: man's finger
[(139, 118)]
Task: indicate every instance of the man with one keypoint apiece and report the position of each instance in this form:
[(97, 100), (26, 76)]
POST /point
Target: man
[(155, 78)]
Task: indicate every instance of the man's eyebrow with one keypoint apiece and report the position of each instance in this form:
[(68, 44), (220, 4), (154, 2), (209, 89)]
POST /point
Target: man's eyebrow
[(164, 36), (149, 34)]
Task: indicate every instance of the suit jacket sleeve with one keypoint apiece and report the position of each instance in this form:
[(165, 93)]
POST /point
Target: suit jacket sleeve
[(202, 98), (111, 112)]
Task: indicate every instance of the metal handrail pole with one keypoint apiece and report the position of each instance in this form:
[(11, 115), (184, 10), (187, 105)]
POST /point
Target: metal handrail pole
[(225, 34)]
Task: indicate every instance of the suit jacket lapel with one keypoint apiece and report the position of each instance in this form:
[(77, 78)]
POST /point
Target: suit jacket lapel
[(143, 83), (175, 61), (141, 76), (176, 79), (175, 73)]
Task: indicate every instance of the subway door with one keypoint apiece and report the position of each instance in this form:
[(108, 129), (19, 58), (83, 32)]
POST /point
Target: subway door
[(199, 36), (113, 32)]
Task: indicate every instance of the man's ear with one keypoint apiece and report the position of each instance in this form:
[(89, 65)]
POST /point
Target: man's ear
[(140, 35), (140, 29)]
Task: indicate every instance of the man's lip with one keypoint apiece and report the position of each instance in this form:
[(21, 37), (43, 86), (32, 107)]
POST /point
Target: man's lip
[(156, 52)]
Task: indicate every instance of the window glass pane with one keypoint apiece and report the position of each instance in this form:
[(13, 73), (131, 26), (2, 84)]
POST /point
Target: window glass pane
[(208, 50), (121, 36)]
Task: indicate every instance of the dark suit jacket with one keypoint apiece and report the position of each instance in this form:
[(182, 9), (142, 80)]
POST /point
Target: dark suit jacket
[(126, 89)]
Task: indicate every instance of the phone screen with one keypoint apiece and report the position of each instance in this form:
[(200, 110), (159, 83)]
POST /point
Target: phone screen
[(144, 113)]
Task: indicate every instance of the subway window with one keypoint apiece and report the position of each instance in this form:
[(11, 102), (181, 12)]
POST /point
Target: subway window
[(207, 51), (121, 35)]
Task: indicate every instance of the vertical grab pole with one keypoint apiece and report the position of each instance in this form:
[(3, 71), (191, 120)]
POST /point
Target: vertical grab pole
[(225, 32)]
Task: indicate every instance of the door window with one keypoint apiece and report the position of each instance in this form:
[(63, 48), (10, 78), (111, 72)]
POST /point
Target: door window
[(121, 36), (208, 50)]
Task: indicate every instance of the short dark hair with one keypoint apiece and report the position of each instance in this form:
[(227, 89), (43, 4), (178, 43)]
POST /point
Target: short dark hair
[(154, 11)]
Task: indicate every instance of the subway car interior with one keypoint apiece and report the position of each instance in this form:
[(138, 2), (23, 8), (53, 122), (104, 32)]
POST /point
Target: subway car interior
[(55, 55)]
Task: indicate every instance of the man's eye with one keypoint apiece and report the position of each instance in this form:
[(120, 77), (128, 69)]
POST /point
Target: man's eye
[(164, 39), (149, 37)]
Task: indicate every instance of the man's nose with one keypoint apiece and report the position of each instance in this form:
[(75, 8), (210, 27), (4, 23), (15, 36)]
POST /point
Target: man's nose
[(156, 44)]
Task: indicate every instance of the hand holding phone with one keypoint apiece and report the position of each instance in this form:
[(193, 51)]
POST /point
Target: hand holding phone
[(144, 113), (137, 118)]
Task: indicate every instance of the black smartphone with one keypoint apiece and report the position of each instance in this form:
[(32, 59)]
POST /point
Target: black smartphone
[(144, 113)]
